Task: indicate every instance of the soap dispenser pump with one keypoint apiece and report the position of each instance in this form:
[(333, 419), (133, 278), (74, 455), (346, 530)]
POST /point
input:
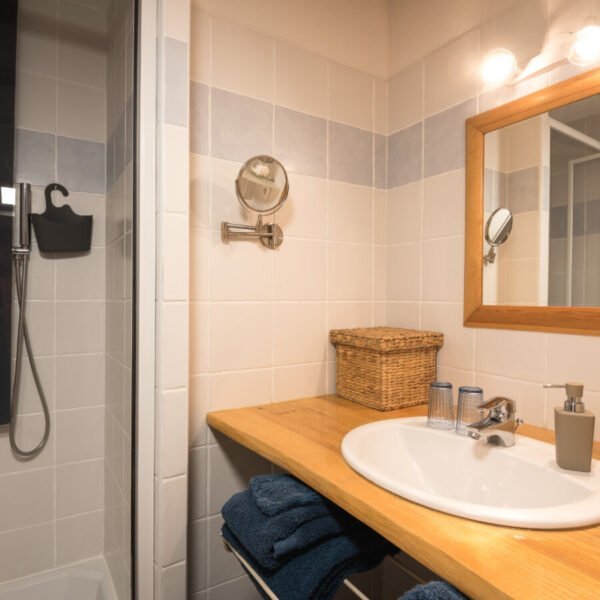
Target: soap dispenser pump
[(574, 427)]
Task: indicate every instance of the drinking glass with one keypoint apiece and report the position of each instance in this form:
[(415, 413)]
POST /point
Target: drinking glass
[(440, 412), (469, 399)]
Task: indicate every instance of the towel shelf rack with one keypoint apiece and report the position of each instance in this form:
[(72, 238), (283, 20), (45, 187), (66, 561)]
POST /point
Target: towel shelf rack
[(268, 590)]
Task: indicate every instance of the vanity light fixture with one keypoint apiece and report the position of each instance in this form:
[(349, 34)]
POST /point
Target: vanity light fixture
[(585, 47), (498, 67)]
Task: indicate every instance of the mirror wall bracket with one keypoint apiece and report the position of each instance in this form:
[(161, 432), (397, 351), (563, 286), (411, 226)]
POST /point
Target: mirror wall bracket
[(270, 234)]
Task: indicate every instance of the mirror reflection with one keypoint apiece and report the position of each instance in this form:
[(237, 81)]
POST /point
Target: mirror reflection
[(545, 172), (262, 185)]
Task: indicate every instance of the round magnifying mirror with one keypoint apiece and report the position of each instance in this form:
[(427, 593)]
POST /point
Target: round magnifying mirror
[(262, 185), (498, 227)]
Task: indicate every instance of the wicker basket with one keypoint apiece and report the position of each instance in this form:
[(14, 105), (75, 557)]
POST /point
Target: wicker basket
[(384, 367)]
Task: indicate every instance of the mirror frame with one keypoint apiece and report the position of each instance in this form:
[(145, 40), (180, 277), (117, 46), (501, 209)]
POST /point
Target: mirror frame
[(558, 319)]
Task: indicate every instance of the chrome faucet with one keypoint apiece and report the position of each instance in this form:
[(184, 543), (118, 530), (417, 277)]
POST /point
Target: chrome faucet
[(499, 425)]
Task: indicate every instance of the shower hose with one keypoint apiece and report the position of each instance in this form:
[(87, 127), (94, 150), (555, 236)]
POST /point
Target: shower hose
[(21, 264)]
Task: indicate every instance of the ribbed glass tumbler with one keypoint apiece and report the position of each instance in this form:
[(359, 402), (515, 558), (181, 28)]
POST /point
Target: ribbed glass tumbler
[(469, 400), (440, 412)]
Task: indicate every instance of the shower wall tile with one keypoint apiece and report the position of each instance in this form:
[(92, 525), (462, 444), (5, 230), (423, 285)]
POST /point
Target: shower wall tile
[(81, 277), (350, 154), (523, 190), (301, 142), (445, 139), (26, 551), (29, 112), (75, 373), (241, 127), (26, 499), (79, 537), (36, 38), (79, 488), (81, 112), (82, 327), (80, 165), (79, 435), (34, 157), (241, 589), (405, 156)]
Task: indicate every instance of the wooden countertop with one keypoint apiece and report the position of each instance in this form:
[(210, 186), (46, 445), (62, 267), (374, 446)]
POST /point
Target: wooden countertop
[(484, 561)]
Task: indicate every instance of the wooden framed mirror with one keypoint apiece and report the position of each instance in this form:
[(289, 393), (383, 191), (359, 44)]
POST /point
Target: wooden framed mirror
[(532, 236)]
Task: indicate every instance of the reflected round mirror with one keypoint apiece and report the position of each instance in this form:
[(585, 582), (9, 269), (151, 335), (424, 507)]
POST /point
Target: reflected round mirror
[(262, 185), (498, 227)]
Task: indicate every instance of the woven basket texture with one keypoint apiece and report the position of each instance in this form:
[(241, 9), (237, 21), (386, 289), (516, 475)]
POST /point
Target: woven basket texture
[(385, 368)]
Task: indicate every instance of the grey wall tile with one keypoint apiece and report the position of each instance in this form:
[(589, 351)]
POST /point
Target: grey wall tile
[(558, 221), (524, 190), (380, 161), (80, 165), (110, 161), (241, 127), (350, 154), (176, 82), (34, 157), (404, 156), (592, 216), (301, 142), (559, 184), (198, 118), (445, 138)]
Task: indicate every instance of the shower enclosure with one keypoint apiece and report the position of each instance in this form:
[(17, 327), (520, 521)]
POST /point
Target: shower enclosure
[(67, 121)]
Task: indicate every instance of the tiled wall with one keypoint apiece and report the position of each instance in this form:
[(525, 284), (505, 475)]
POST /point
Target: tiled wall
[(260, 318), (119, 286), (172, 307), (53, 505), (426, 216)]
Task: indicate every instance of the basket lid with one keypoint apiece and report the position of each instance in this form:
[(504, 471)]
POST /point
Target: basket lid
[(386, 339)]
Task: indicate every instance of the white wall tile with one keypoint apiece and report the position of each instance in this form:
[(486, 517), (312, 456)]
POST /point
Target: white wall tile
[(198, 409), (238, 389), (200, 47), (380, 106), (308, 93), (30, 113), (403, 272), (174, 179), (240, 336), (404, 209), (172, 515), (79, 434), (350, 213), (406, 107), (82, 277), (452, 74), (173, 582), (443, 269), (26, 551), (300, 270), (81, 112), (241, 60), (173, 334), (298, 333), (80, 327), (175, 257), (350, 272), (444, 204), (298, 381), (403, 314), (350, 96), (574, 358)]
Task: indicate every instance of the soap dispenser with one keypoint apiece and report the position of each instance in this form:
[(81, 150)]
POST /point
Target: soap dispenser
[(574, 427)]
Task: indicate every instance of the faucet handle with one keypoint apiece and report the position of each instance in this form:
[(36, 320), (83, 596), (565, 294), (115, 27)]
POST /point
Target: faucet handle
[(500, 407)]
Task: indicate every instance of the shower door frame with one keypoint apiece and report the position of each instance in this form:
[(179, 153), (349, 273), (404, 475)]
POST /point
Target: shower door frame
[(143, 452)]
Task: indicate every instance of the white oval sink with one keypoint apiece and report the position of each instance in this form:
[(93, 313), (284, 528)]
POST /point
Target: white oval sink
[(520, 486)]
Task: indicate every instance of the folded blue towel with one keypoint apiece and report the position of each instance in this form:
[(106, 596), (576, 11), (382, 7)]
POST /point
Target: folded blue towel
[(270, 540), (319, 572), (275, 494), (434, 590)]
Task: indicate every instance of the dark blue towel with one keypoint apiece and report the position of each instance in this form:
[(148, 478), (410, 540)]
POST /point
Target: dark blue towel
[(275, 494), (318, 573), (434, 590), (269, 540)]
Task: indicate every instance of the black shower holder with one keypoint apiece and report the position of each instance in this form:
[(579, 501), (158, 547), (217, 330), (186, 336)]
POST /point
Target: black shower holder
[(59, 229)]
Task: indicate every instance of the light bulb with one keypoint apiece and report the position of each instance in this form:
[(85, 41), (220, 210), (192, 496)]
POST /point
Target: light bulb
[(585, 49), (498, 67)]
